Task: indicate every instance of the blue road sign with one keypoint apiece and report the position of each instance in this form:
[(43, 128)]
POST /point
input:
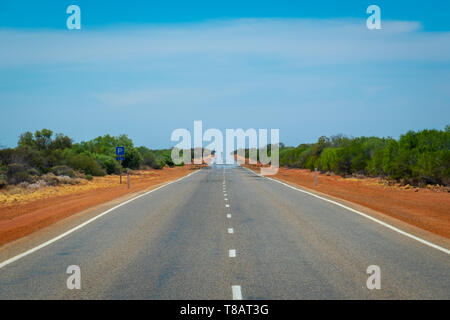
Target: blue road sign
[(120, 151), (120, 158)]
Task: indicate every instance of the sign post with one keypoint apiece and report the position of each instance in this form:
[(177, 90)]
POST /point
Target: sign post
[(120, 156), (120, 171), (315, 177)]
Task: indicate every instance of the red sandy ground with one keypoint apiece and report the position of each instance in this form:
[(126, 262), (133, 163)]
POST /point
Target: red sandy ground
[(24, 217), (424, 208)]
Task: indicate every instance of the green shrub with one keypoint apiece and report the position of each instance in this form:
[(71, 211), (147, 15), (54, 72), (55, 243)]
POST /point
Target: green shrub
[(33, 172), (43, 139), (110, 164), (133, 159), (375, 165), (3, 179), (328, 160), (295, 157), (61, 142), (17, 173), (433, 167), (86, 164), (158, 164), (62, 171), (417, 157), (149, 158), (6, 156)]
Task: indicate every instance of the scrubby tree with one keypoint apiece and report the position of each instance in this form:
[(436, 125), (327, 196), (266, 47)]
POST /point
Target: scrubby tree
[(43, 138), (416, 158), (26, 140)]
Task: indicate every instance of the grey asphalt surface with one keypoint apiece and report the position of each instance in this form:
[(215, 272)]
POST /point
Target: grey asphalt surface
[(174, 244)]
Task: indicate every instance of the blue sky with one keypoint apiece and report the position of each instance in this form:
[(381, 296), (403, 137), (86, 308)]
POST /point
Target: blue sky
[(145, 68)]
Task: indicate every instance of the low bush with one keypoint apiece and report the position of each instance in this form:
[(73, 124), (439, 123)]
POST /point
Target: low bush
[(110, 164), (86, 164), (37, 185), (63, 171), (33, 172), (17, 173), (50, 179), (3, 179), (67, 180)]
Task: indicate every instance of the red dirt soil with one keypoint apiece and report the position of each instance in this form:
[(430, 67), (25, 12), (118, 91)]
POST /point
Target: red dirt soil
[(20, 219), (423, 208)]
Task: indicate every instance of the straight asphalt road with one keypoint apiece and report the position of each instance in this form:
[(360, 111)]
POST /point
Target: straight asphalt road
[(223, 233)]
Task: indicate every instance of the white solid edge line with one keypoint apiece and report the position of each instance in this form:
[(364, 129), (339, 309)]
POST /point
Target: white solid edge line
[(406, 234), (42, 245), (232, 253), (236, 291)]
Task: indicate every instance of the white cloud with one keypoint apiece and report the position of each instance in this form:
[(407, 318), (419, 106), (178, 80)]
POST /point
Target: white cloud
[(298, 41), (168, 95), (306, 77)]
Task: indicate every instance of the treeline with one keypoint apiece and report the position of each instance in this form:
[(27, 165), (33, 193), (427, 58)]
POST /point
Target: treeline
[(416, 158), (44, 153)]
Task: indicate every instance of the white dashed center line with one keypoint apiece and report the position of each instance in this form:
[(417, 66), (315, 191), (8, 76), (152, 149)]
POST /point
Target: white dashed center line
[(236, 290), (237, 294)]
